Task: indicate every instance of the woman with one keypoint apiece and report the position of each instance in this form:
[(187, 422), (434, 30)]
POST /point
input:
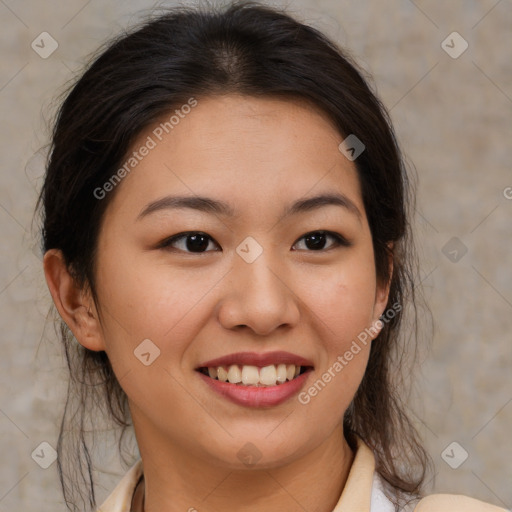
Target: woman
[(226, 236)]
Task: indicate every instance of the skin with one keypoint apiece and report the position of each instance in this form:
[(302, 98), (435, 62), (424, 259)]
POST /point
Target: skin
[(258, 155)]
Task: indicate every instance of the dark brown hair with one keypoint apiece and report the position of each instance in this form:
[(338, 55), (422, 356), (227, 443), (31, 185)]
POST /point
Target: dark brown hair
[(244, 48)]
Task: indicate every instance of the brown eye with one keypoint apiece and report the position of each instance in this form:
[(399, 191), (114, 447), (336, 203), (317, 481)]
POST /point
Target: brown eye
[(198, 242), (316, 240), (194, 242)]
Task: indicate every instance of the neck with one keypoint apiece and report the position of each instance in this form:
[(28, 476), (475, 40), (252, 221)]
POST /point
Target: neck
[(175, 480)]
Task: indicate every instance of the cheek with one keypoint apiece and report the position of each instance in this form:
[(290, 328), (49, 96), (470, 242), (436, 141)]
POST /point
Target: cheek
[(155, 302), (342, 300), (343, 309), (343, 297)]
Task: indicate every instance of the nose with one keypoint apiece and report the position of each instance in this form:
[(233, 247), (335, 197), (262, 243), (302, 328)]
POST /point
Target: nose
[(258, 296)]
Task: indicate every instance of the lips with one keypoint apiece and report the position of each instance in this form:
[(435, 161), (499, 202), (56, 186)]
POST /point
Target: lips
[(254, 379), (257, 397), (255, 359)]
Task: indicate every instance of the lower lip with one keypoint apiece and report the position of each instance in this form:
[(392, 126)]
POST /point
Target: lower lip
[(257, 396)]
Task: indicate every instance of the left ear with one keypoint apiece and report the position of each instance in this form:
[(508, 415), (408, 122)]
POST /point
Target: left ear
[(382, 289)]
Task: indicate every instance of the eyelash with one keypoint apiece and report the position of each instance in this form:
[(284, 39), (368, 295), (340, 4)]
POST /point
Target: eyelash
[(339, 240)]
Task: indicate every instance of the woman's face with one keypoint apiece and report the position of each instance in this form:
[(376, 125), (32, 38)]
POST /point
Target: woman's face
[(250, 282)]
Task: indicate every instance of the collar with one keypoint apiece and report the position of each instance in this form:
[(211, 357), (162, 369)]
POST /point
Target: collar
[(356, 494)]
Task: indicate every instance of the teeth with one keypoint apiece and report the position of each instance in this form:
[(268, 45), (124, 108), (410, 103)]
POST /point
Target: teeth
[(222, 374), (281, 373), (268, 375), (249, 375), (234, 374)]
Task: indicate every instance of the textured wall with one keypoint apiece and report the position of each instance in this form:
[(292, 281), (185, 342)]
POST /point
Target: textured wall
[(453, 117)]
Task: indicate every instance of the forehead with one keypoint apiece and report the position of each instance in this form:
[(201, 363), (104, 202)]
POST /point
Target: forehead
[(257, 151)]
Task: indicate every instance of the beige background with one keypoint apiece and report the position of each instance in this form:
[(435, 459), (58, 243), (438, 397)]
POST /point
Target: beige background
[(453, 118)]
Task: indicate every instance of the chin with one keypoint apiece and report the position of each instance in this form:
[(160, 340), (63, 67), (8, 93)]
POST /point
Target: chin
[(260, 453)]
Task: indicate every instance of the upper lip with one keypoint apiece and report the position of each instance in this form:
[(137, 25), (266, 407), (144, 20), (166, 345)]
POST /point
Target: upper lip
[(255, 359)]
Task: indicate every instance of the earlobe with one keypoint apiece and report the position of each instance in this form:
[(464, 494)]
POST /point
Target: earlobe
[(75, 307)]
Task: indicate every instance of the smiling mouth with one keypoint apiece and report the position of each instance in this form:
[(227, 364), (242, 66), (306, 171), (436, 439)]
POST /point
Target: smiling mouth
[(249, 375)]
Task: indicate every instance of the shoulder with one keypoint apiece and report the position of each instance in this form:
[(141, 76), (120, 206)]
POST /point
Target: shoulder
[(120, 498), (380, 501), (454, 503)]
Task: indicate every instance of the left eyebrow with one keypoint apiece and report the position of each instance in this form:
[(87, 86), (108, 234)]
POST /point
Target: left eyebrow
[(216, 207), (313, 203)]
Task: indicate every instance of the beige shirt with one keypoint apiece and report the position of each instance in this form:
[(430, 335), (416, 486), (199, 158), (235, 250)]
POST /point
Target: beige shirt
[(363, 492)]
